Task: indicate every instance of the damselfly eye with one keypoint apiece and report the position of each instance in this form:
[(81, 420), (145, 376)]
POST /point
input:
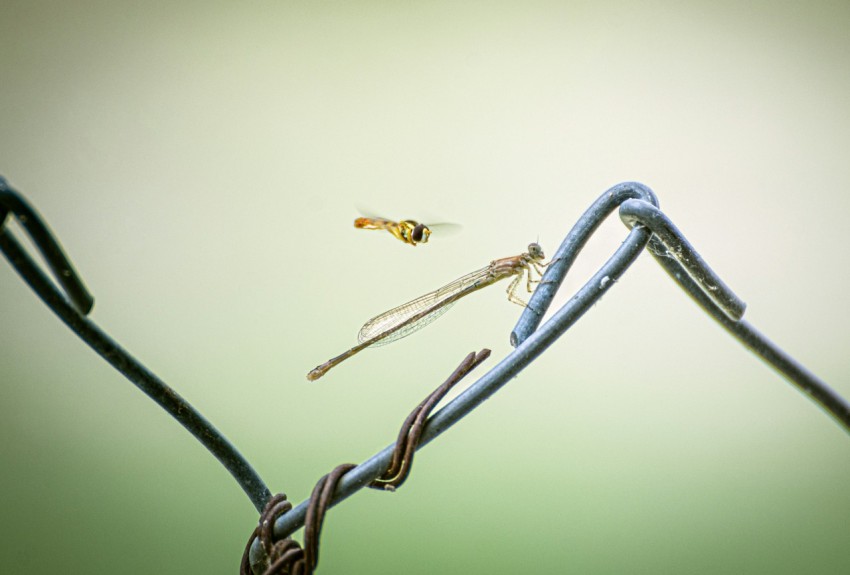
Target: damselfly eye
[(535, 251)]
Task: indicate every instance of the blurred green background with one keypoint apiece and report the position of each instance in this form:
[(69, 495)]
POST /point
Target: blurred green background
[(202, 163)]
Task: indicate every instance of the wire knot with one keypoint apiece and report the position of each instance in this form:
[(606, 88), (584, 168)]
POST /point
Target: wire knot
[(286, 556)]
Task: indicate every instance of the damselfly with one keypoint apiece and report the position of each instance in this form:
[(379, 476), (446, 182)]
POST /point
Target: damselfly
[(405, 319), (409, 231)]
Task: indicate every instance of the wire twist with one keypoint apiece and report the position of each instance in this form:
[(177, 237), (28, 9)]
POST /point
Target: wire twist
[(267, 556)]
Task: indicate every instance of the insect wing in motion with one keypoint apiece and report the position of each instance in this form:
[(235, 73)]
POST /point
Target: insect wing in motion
[(410, 232)]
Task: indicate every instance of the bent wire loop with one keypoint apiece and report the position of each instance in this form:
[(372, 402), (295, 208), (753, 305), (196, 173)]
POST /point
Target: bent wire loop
[(63, 271), (670, 249), (73, 309)]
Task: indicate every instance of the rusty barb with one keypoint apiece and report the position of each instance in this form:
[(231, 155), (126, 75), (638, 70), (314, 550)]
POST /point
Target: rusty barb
[(410, 434), (648, 228)]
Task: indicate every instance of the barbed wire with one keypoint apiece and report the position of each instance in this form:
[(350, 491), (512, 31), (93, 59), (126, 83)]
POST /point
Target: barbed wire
[(648, 227)]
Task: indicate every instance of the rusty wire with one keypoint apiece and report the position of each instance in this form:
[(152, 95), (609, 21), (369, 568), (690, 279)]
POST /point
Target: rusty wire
[(286, 556), (263, 554), (410, 434)]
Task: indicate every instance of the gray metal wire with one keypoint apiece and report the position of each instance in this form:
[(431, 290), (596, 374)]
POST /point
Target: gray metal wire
[(74, 304), (681, 262), (567, 253)]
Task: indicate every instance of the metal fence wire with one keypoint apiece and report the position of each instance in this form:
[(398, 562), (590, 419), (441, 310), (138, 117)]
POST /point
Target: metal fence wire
[(270, 549)]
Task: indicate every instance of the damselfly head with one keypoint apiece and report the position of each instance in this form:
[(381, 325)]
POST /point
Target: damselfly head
[(535, 251)]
